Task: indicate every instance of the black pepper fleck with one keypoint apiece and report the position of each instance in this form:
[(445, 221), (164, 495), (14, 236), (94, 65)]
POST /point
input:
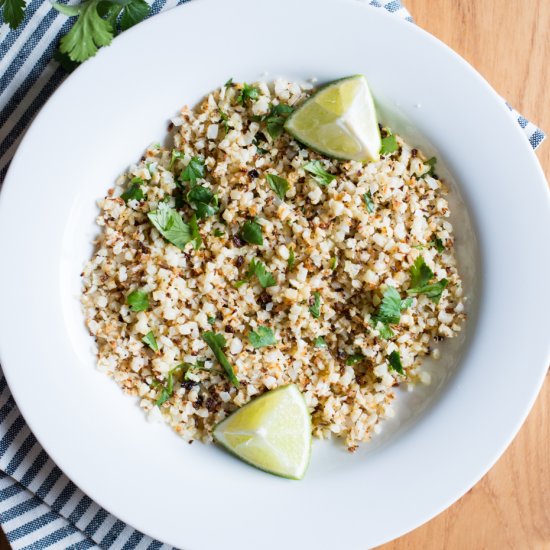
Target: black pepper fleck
[(237, 241), (253, 174), (229, 329), (239, 261)]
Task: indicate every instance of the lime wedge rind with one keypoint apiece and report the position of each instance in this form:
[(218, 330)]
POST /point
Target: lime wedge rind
[(339, 121), (280, 441)]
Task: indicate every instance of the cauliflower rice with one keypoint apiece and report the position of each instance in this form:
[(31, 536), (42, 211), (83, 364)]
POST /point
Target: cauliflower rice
[(342, 251)]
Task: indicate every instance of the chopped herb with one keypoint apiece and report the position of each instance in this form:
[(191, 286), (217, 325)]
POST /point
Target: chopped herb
[(259, 269), (134, 192), (251, 232), (151, 341), (168, 389), (290, 261), (278, 184), (193, 170), (218, 233), (261, 337), (203, 201), (431, 162), (276, 118), (320, 175), (138, 300), (420, 273), (176, 155), (333, 263), (171, 226), (211, 320), (198, 366), (438, 243), (217, 342), (432, 291), (389, 145), (315, 305), (248, 92), (224, 120), (229, 83), (369, 203), (319, 342), (354, 359), (394, 359), (196, 238)]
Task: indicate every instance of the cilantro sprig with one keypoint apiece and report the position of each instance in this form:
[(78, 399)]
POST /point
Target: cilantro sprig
[(96, 24), (150, 340), (134, 192), (315, 305), (203, 201), (394, 360), (276, 118), (389, 312), (389, 144), (193, 170), (14, 12), (421, 275)]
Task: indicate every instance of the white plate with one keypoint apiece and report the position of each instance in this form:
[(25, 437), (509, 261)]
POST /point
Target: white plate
[(196, 497)]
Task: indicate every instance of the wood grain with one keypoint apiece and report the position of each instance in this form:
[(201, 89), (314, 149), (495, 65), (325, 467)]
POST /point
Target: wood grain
[(508, 42)]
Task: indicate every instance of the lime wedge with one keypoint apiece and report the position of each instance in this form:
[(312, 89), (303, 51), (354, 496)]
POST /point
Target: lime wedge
[(272, 432), (339, 121)]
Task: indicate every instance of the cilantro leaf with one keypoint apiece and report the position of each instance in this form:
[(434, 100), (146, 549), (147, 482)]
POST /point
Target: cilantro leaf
[(319, 342), (320, 175), (261, 337), (229, 83), (420, 273), (224, 119), (353, 359), (315, 305), (389, 311), (278, 184), (218, 233), (291, 259), (394, 359), (89, 32), (438, 243), (134, 12), (217, 342), (251, 232), (150, 340), (276, 118), (14, 12), (431, 162), (170, 225), (333, 264), (193, 170), (246, 93), (134, 192), (65, 61), (196, 238), (259, 269), (384, 330), (432, 291), (211, 320), (389, 145), (369, 203), (168, 389), (138, 300), (203, 201)]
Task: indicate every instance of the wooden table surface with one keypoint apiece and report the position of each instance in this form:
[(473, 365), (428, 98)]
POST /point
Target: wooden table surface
[(507, 41)]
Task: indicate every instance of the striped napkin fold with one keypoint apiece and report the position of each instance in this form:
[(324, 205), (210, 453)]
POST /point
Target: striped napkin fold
[(39, 506)]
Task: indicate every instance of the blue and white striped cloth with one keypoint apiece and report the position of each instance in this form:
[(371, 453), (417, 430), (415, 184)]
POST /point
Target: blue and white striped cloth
[(39, 506)]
